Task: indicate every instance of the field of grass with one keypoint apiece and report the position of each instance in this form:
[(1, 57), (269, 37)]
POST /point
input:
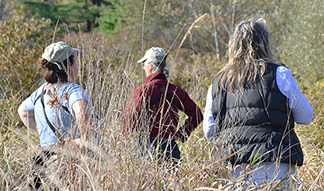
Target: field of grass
[(110, 78)]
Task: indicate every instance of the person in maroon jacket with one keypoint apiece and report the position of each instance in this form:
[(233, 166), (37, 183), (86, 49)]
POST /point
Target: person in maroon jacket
[(152, 114)]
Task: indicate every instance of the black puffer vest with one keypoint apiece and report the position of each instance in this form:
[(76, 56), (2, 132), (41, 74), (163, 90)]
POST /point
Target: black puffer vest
[(256, 123)]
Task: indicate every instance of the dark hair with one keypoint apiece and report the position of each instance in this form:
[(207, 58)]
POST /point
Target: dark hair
[(249, 51), (53, 74)]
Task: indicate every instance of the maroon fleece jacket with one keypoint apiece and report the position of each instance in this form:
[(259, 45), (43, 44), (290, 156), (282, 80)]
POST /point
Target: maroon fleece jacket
[(161, 110)]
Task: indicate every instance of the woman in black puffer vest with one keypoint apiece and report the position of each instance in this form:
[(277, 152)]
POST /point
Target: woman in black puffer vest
[(252, 105)]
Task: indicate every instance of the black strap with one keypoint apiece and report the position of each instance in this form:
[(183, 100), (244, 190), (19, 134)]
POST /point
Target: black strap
[(173, 100), (155, 100), (170, 98), (38, 97), (58, 135), (64, 107), (158, 84)]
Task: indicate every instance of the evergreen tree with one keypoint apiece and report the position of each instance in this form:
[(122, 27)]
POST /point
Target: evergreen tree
[(100, 15), (110, 19)]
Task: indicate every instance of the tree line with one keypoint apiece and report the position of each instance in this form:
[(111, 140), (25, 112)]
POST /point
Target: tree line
[(295, 25)]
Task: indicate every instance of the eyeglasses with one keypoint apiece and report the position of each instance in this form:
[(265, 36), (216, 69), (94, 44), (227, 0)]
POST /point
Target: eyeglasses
[(143, 63)]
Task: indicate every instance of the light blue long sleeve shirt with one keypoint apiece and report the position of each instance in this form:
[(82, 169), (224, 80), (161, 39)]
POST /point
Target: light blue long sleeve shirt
[(302, 111)]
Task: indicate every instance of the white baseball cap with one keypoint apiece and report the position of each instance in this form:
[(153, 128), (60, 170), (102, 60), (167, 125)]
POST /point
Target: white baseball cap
[(155, 55)]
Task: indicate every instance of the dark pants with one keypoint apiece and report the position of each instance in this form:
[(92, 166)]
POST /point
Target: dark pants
[(162, 148), (58, 166), (44, 164), (53, 166)]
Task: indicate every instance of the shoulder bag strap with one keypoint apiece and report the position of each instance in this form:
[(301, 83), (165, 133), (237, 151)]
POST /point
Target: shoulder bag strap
[(58, 135)]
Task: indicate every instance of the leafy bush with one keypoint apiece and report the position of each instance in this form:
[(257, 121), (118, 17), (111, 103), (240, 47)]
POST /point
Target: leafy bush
[(22, 42), (301, 42)]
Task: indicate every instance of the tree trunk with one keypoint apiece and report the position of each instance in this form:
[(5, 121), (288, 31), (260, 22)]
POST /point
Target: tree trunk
[(89, 25), (215, 32), (1, 8), (232, 18), (97, 2)]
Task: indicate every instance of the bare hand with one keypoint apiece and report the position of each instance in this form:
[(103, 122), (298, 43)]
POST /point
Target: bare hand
[(79, 142)]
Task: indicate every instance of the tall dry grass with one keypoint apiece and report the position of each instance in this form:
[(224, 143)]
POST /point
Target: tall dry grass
[(110, 82)]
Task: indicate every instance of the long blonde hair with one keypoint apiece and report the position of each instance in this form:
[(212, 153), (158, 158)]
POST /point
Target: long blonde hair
[(249, 51)]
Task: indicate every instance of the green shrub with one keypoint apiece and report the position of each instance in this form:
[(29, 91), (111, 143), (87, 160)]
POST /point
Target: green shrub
[(21, 44)]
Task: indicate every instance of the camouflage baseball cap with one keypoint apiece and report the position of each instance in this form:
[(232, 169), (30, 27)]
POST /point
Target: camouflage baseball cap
[(60, 51)]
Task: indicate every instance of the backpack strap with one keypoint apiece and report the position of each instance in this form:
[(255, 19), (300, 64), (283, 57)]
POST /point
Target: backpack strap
[(41, 97), (38, 97), (66, 109), (155, 100), (170, 98)]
